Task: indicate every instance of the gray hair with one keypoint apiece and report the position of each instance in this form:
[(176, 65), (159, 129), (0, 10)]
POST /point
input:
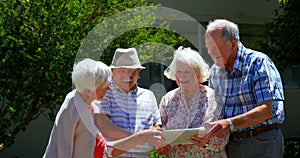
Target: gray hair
[(193, 59), (230, 29), (90, 74)]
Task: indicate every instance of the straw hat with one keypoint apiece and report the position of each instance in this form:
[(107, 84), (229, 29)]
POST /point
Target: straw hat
[(126, 58)]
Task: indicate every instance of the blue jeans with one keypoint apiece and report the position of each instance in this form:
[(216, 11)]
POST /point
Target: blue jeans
[(268, 144)]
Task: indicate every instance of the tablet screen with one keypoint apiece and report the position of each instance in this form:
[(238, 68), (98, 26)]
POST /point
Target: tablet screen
[(181, 136)]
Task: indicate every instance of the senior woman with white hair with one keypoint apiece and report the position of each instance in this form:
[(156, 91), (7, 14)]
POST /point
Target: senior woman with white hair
[(191, 105), (74, 132)]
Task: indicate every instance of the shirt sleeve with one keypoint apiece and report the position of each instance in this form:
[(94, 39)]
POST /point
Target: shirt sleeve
[(267, 81), (268, 86)]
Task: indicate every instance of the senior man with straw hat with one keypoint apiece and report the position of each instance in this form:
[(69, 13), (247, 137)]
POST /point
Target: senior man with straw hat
[(126, 105)]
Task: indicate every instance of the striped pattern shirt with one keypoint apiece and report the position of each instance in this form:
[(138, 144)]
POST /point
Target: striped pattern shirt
[(254, 79), (133, 111)]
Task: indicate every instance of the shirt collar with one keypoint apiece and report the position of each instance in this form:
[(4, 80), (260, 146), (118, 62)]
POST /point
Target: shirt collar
[(238, 63)]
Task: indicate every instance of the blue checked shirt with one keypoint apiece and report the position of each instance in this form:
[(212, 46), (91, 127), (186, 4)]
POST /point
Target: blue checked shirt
[(254, 79)]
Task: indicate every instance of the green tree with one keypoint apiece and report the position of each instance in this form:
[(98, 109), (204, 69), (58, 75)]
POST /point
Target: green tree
[(282, 36), (39, 42)]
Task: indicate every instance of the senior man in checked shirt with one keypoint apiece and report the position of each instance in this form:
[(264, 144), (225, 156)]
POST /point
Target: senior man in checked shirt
[(249, 88), (126, 105)]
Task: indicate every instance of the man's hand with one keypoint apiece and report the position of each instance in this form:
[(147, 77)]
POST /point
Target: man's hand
[(219, 129), (151, 137)]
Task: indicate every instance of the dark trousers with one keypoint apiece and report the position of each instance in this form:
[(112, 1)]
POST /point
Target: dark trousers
[(268, 144)]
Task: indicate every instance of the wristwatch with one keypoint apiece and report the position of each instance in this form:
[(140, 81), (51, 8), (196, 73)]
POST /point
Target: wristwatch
[(231, 126)]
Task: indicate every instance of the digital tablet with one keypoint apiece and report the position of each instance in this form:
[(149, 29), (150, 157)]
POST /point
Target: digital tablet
[(181, 136)]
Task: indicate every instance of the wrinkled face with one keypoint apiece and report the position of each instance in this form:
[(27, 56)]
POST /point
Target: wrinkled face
[(125, 78), (100, 91), (218, 49), (186, 77)]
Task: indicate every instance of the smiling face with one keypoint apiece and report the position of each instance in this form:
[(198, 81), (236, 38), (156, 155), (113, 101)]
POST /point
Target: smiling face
[(186, 77), (221, 51), (125, 78)]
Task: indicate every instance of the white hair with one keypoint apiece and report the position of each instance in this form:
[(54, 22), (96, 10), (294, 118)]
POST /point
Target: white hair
[(193, 59), (230, 29), (90, 74)]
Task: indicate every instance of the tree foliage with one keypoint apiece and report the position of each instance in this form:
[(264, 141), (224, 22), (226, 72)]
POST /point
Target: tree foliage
[(282, 36), (39, 40)]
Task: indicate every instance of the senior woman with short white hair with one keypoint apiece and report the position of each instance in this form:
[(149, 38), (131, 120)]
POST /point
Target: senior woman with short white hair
[(74, 133), (191, 105)]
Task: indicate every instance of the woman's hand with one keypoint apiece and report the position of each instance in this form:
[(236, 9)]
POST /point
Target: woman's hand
[(199, 140)]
